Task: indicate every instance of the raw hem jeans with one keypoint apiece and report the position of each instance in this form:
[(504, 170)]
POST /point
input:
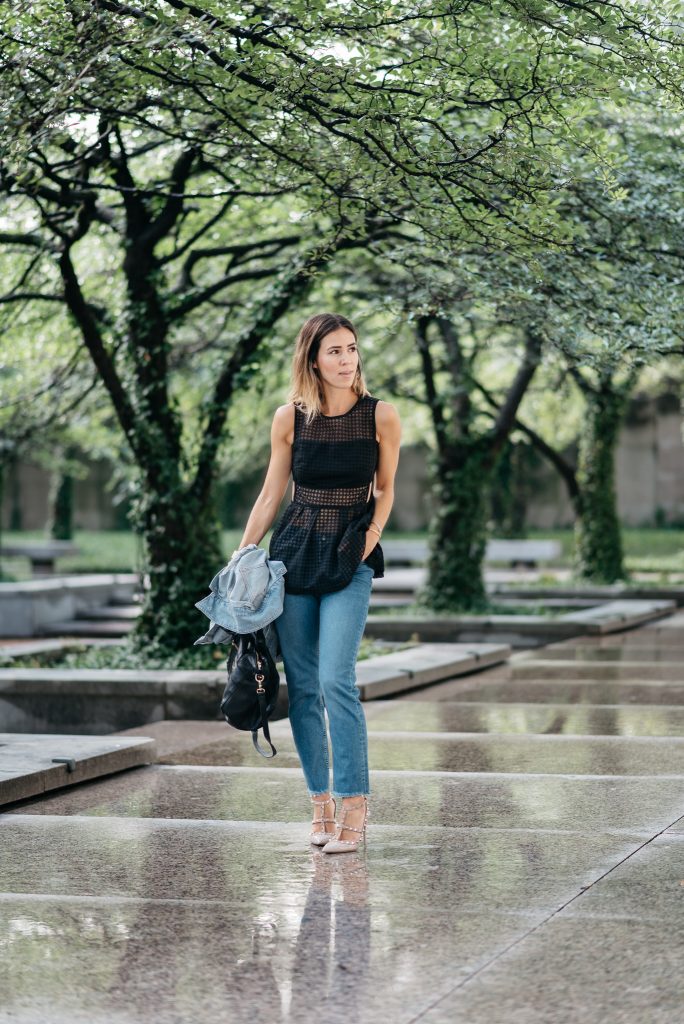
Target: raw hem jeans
[(319, 639)]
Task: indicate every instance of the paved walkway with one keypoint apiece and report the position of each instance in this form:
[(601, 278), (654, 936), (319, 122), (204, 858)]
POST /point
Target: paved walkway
[(524, 865)]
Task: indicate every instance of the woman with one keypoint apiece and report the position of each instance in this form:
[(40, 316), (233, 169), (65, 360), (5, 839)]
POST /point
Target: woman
[(335, 439)]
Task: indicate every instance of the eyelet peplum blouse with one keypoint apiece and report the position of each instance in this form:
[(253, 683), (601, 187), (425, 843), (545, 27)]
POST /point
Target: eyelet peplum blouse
[(321, 534)]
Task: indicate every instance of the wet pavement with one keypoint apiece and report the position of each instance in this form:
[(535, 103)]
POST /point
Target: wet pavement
[(524, 865)]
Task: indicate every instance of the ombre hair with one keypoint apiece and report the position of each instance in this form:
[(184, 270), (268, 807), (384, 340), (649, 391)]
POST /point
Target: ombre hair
[(306, 388)]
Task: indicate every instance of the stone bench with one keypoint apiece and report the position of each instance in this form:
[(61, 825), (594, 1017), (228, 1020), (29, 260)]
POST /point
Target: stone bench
[(29, 607), (41, 556), (517, 552), (525, 553)]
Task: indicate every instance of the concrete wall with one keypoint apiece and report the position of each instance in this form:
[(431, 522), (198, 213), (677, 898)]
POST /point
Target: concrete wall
[(649, 470)]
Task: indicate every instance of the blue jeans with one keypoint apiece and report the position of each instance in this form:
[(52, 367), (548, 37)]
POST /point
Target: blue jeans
[(319, 638)]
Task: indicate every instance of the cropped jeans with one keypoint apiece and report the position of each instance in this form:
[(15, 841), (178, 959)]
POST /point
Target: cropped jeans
[(319, 638)]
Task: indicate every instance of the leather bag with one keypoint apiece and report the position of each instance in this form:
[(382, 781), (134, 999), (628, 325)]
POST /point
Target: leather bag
[(251, 691)]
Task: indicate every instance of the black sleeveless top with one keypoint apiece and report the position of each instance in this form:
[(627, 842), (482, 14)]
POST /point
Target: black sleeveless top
[(322, 532)]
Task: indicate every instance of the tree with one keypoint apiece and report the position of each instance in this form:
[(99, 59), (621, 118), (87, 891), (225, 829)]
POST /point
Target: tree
[(153, 153)]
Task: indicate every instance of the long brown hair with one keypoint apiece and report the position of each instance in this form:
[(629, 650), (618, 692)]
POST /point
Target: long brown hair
[(306, 388)]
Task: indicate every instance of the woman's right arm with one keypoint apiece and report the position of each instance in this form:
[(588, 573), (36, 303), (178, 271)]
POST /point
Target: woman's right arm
[(268, 501)]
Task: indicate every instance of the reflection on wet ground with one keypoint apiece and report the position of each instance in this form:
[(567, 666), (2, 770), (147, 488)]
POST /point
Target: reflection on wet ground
[(487, 752), (524, 859), (483, 801)]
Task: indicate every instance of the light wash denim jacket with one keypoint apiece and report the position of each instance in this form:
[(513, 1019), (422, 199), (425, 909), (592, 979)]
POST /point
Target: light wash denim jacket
[(246, 595)]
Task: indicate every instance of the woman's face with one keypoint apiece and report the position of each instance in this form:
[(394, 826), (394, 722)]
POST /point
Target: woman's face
[(338, 358)]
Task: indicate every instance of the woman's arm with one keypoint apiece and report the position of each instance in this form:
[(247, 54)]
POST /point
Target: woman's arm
[(268, 501), (389, 431)]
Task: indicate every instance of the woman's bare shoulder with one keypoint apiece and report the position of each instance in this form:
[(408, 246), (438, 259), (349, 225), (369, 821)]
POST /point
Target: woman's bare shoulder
[(283, 420), (386, 415)]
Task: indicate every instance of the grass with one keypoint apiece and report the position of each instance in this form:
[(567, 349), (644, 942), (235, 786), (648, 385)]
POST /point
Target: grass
[(646, 549)]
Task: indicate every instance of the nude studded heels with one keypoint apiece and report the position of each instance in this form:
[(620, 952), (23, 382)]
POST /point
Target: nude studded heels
[(338, 845), (322, 836)]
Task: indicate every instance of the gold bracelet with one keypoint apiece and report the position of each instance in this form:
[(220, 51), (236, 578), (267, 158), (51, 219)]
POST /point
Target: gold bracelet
[(371, 530), (374, 521)]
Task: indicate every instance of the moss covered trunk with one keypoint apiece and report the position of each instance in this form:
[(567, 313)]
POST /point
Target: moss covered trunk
[(458, 530), (182, 544), (61, 526), (598, 537)]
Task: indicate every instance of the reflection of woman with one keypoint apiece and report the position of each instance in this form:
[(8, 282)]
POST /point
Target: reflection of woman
[(333, 948), (336, 439)]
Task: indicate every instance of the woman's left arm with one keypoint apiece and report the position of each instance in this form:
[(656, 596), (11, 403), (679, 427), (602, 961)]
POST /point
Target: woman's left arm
[(389, 431)]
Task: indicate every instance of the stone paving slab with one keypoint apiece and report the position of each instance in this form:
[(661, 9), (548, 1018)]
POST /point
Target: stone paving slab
[(190, 962), (27, 765), (467, 801), (569, 971), (566, 719), (467, 752), (647, 886), (231, 861), (137, 899), (613, 954)]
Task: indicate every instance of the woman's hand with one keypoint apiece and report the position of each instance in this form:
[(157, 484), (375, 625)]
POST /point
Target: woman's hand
[(371, 540)]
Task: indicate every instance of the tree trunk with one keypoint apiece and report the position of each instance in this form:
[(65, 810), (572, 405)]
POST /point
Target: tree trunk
[(60, 524), (183, 552), (510, 491), (458, 530), (597, 530)]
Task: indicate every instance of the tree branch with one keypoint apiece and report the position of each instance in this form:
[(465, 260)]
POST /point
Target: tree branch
[(564, 469), (508, 410), (433, 399), (95, 344)]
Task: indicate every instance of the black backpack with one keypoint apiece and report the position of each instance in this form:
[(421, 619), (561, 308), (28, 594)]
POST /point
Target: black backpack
[(251, 692)]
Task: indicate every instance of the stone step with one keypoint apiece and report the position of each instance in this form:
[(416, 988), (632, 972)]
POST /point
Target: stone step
[(422, 665), (112, 627), (547, 718), (654, 635), (28, 766), (103, 700), (594, 593), (112, 612), (470, 801), (520, 631), (591, 653), (466, 752), (32, 607), (598, 672), (617, 615), (29, 648), (561, 691)]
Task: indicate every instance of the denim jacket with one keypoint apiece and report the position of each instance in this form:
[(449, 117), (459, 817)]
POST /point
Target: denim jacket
[(246, 595)]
